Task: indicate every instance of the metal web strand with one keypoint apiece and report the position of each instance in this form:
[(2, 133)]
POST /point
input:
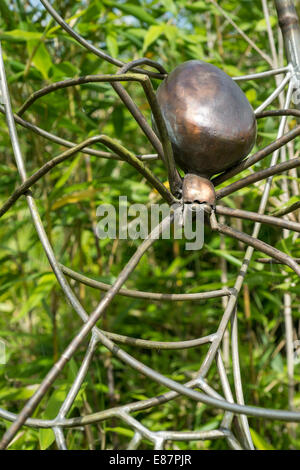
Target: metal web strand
[(234, 431)]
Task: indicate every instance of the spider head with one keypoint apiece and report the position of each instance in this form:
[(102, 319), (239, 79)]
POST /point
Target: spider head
[(198, 190)]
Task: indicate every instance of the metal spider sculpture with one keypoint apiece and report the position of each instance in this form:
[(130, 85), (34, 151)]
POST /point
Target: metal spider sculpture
[(197, 389)]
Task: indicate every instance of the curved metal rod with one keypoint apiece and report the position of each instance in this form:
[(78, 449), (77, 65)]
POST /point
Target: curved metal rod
[(91, 47), (48, 249), (226, 422), (139, 117), (140, 166), (195, 395), (268, 73), (175, 179), (228, 417), (83, 332), (163, 345), (67, 143), (256, 157), (60, 438), (213, 349), (136, 294), (158, 435), (274, 95), (265, 219), (286, 210), (99, 78), (164, 149), (255, 243), (60, 277), (23, 188), (83, 370), (273, 261), (113, 80), (111, 412), (258, 176), (238, 381), (273, 414), (142, 61), (135, 441), (278, 112)]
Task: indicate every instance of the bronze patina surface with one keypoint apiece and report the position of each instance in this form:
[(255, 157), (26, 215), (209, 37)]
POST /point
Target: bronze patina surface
[(197, 189), (210, 122)]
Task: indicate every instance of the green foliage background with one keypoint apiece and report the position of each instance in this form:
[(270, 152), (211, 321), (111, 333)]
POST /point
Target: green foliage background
[(36, 322)]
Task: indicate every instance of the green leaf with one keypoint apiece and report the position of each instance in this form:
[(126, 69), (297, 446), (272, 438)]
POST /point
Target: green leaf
[(261, 25), (171, 32), (46, 436), (20, 36), (200, 6), (112, 45), (224, 254), (41, 58), (251, 95), (134, 10), (259, 442), (118, 120), (152, 35), (67, 173), (75, 197), (170, 6), (122, 431)]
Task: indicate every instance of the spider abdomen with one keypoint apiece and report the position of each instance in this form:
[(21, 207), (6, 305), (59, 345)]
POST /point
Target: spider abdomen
[(210, 122)]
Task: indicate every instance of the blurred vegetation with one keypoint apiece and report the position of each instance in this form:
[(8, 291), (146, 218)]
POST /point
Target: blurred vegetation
[(36, 321)]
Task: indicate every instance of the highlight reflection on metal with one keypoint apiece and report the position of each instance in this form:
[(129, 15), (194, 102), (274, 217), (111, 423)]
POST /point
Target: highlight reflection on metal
[(237, 436)]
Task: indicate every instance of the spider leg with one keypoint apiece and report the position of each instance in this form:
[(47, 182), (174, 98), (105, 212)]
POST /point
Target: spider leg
[(257, 176), (164, 149), (140, 166), (255, 243), (287, 210), (278, 112), (256, 157), (121, 151), (67, 143), (99, 78), (173, 175), (273, 261), (265, 219), (23, 188), (113, 79), (128, 156), (167, 155), (86, 44)]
